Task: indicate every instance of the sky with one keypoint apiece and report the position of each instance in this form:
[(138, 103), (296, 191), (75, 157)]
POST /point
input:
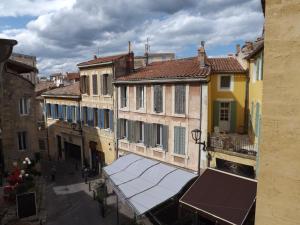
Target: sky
[(63, 33)]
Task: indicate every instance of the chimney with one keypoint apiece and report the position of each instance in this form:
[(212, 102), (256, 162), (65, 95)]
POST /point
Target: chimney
[(202, 55), (238, 49), (95, 56), (129, 47)]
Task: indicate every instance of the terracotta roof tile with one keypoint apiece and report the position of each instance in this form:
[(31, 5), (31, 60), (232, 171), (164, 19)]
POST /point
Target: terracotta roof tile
[(183, 69), (225, 65), (73, 76), (70, 90), (178, 69), (102, 60)]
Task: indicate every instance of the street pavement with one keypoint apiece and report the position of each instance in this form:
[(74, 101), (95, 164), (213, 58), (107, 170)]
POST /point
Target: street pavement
[(69, 201)]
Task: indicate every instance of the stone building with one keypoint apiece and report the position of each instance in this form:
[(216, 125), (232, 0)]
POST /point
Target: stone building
[(18, 114), (29, 60), (63, 124), (147, 58), (97, 105)]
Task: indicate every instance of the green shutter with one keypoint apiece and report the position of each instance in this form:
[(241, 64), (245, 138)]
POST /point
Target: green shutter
[(233, 116), (216, 111)]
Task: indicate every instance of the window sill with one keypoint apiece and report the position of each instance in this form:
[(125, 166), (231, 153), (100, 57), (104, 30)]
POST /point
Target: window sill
[(124, 109), (158, 149), (225, 89), (180, 156), (140, 110), (124, 140), (107, 96), (158, 114), (179, 115)]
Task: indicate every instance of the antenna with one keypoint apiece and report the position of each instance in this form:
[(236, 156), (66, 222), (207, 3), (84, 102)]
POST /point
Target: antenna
[(147, 50)]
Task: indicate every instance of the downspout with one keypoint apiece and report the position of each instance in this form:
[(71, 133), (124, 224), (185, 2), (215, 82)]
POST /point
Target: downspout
[(200, 127), (246, 112)]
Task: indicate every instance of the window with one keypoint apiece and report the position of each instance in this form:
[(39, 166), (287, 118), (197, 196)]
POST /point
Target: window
[(64, 112), (158, 98), (73, 114), (48, 110), (225, 82), (55, 113), (123, 96), (95, 117), (84, 85), (123, 128), (140, 132), (84, 115), (95, 85), (22, 140), (139, 97), (158, 135), (105, 84), (179, 140), (180, 96), (24, 104), (106, 118)]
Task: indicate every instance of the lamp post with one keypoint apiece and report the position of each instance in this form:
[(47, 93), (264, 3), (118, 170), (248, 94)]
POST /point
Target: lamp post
[(196, 135)]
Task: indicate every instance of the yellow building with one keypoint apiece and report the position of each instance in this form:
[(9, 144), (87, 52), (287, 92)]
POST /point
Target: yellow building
[(278, 193), (97, 106)]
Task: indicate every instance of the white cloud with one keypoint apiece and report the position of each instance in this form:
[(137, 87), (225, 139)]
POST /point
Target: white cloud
[(69, 34), (33, 7)]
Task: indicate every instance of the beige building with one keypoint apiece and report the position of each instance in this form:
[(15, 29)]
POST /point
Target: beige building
[(160, 104), (18, 130), (278, 193), (147, 58), (63, 123), (97, 106)]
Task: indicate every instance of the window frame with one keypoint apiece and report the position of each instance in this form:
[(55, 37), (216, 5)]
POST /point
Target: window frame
[(24, 106), (163, 99), (121, 96), (22, 141), (220, 88)]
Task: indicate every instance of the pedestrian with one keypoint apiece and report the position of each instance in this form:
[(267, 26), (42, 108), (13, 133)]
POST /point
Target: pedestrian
[(53, 173)]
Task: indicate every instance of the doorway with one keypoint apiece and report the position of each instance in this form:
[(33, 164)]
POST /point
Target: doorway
[(224, 116), (72, 152)]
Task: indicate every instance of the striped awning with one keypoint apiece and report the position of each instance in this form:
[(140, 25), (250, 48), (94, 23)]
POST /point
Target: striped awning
[(145, 183)]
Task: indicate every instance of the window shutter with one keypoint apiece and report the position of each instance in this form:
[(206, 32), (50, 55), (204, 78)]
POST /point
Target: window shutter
[(262, 65), (95, 86), (146, 134), (137, 97), (53, 111), (257, 112), (216, 113), (153, 135), (129, 135), (182, 140), (176, 140), (78, 114), (101, 85), (165, 137), (81, 84), (47, 110), (109, 84), (233, 115), (180, 99), (101, 118), (60, 112), (111, 120), (119, 129), (87, 83), (158, 101)]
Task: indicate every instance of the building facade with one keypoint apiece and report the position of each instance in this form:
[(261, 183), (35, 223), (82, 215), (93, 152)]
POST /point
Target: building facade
[(18, 115), (63, 124), (278, 192), (97, 106)]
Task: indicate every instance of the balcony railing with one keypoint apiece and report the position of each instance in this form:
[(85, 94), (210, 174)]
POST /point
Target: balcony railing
[(234, 143)]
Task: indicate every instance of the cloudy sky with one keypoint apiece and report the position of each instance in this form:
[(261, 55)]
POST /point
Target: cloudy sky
[(62, 33)]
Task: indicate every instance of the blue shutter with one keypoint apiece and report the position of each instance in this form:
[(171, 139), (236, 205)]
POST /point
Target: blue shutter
[(89, 116), (53, 111), (99, 116), (63, 112), (78, 114), (69, 115), (111, 120)]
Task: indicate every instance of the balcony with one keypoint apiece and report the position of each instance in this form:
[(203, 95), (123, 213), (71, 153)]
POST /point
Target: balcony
[(235, 143)]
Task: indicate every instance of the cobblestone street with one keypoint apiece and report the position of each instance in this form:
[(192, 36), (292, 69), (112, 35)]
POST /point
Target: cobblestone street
[(69, 201)]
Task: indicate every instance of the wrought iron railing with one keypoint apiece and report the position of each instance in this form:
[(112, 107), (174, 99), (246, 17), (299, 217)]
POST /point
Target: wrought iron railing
[(227, 143)]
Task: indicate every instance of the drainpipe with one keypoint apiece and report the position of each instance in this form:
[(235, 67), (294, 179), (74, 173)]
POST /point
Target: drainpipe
[(246, 112)]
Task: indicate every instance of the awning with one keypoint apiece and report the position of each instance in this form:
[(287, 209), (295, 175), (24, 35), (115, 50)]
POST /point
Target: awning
[(144, 183), (221, 196)]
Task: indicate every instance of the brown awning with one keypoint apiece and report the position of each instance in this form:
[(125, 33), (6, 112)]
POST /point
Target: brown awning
[(221, 196)]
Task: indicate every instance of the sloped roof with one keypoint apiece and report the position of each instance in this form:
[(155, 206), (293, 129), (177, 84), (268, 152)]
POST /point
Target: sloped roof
[(72, 90), (225, 65), (179, 69), (102, 60), (187, 68)]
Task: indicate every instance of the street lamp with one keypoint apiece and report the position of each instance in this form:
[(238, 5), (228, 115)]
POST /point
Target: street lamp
[(196, 135)]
